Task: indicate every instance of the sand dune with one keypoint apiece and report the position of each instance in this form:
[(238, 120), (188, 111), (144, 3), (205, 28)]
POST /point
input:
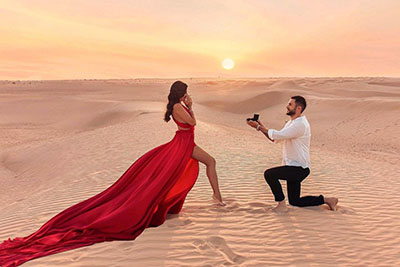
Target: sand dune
[(64, 141), (394, 84), (254, 104)]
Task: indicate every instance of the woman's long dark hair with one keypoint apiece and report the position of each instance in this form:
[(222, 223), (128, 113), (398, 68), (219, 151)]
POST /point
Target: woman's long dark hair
[(178, 89)]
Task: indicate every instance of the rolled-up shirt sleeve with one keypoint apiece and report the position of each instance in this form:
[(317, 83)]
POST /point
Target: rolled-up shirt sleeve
[(292, 131)]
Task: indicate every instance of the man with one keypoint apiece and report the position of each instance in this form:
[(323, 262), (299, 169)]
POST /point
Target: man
[(296, 136)]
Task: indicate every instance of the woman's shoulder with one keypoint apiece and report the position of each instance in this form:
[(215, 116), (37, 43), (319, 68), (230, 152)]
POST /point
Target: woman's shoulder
[(177, 106)]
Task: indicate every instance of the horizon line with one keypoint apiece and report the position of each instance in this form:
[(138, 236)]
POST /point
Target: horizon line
[(200, 77)]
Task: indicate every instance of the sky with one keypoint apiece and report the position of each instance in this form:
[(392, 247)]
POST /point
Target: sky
[(87, 39)]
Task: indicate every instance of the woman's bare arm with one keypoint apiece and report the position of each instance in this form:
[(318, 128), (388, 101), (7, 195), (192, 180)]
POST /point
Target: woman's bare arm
[(180, 113)]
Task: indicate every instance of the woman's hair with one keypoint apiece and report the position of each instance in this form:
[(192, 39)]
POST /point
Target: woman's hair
[(178, 89)]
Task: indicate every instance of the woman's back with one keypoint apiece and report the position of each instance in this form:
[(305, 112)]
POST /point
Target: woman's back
[(180, 124)]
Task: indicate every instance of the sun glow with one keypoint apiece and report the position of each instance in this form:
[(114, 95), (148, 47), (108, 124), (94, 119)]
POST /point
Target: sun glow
[(228, 64)]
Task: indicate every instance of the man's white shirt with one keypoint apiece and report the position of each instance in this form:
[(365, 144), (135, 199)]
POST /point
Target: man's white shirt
[(296, 135)]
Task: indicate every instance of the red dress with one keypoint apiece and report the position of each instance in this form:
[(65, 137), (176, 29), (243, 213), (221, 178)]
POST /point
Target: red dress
[(154, 185)]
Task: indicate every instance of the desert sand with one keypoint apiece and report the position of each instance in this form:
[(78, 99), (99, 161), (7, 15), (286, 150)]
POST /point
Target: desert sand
[(64, 141)]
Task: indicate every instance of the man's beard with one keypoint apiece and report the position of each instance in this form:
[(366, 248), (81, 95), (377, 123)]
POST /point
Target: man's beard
[(290, 112)]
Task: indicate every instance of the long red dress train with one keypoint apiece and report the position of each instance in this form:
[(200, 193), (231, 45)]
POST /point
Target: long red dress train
[(154, 185)]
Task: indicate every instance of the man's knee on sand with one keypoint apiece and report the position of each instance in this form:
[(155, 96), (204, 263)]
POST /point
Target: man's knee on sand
[(295, 202), (268, 175)]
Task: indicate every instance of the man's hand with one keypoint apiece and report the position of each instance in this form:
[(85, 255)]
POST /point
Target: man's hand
[(253, 124)]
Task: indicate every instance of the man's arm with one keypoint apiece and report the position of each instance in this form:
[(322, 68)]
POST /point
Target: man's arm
[(264, 130), (295, 130)]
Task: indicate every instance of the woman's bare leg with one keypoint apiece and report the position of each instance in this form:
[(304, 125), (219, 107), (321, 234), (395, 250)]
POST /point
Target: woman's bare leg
[(202, 156)]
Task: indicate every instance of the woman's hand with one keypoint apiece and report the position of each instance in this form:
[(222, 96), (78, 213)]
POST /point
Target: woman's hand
[(188, 101)]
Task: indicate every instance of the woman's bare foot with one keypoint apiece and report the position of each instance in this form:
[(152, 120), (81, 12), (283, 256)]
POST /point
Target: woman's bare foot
[(281, 207), (331, 202), (218, 199)]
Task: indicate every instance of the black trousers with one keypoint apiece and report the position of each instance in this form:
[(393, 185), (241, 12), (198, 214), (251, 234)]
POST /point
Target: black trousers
[(294, 176)]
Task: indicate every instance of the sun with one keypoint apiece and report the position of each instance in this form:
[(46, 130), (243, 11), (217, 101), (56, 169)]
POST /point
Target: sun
[(228, 64)]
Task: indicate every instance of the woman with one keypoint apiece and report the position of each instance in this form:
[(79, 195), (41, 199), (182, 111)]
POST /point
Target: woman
[(185, 120), (154, 185)]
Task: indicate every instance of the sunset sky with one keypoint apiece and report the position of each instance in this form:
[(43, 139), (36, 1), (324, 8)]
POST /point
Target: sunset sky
[(47, 39)]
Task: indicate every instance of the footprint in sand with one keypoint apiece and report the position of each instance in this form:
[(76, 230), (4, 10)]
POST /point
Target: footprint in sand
[(174, 220), (251, 208), (126, 245), (256, 204), (339, 209), (218, 244), (257, 208), (178, 222), (81, 254), (271, 209), (345, 210), (230, 206)]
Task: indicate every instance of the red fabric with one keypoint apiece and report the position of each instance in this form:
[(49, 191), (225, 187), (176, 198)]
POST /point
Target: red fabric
[(182, 124), (156, 184)]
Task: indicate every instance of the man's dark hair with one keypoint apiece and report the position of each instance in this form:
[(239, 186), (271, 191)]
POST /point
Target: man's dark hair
[(300, 101)]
